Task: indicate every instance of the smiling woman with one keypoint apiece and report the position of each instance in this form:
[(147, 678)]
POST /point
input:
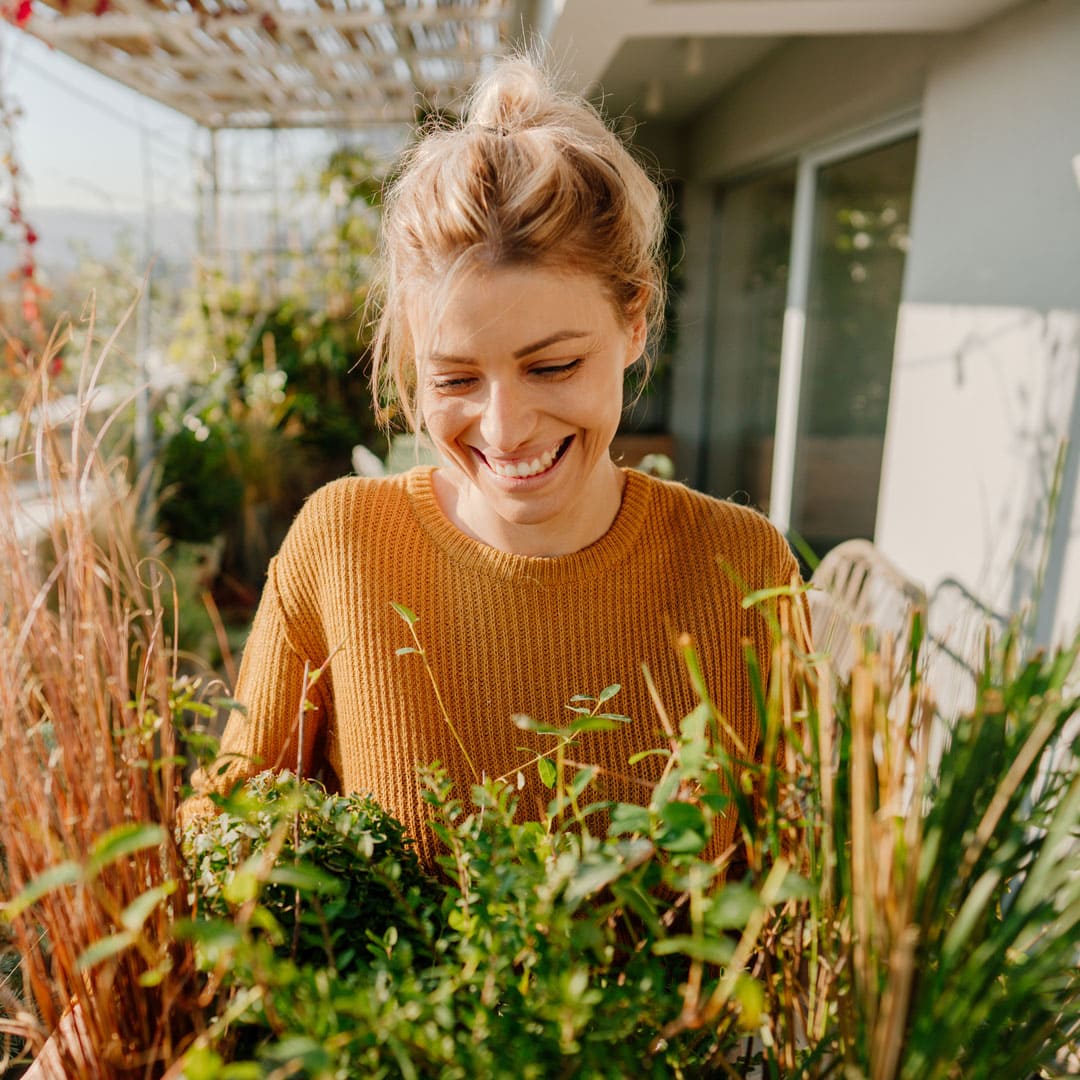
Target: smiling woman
[(520, 279)]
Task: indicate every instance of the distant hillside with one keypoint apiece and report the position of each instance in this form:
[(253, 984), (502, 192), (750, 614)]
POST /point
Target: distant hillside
[(65, 235)]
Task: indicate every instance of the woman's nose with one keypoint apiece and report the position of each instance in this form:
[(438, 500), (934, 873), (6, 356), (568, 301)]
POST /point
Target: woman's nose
[(509, 415)]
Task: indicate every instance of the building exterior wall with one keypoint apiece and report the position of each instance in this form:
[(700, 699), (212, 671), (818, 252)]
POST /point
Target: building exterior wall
[(806, 91), (693, 348), (986, 382), (986, 378)]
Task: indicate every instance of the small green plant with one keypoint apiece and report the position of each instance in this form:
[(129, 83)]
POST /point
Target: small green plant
[(354, 868)]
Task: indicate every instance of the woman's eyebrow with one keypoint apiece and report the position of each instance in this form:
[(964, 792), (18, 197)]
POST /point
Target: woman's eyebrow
[(551, 339), (450, 359)]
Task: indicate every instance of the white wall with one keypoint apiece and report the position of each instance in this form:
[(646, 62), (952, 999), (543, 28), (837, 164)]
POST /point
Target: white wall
[(809, 90), (986, 380)]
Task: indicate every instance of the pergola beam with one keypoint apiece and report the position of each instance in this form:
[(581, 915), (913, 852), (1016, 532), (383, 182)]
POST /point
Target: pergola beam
[(190, 64), (62, 29), (264, 65)]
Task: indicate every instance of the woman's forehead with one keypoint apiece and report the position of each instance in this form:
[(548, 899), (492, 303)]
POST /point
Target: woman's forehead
[(511, 309)]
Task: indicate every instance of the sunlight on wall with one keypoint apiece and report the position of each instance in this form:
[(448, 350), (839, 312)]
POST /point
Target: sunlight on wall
[(983, 400)]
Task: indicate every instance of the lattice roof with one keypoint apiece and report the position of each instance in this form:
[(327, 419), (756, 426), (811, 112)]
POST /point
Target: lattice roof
[(283, 63)]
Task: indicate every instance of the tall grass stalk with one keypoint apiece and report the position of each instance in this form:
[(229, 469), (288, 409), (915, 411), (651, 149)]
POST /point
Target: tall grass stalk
[(88, 758), (944, 906)]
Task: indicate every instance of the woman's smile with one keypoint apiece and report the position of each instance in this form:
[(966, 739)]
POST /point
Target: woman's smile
[(527, 467)]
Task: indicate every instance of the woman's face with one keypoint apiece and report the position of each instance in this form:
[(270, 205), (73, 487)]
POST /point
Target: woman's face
[(520, 389)]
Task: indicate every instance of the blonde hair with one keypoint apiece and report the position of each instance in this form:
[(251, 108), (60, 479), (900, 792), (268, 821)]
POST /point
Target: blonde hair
[(529, 177)]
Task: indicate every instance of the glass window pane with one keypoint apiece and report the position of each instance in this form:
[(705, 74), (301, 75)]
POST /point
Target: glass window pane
[(751, 277), (860, 237)]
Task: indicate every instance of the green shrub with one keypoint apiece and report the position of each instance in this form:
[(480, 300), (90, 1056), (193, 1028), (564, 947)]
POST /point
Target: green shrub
[(894, 921), (201, 489)]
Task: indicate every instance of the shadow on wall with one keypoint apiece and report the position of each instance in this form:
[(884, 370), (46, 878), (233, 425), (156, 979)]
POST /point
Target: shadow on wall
[(982, 456)]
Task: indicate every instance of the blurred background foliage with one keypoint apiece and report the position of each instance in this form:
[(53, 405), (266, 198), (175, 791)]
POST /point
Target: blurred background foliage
[(277, 392)]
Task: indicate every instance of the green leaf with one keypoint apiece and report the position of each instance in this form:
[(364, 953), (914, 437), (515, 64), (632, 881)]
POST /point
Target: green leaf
[(608, 693), (686, 832), (244, 884), (121, 841), (641, 755), (204, 1064), (306, 877), (547, 772), (105, 948), (694, 744), (582, 779), (732, 907), (211, 934), (716, 803), (590, 723), (407, 614), (707, 950), (228, 703), (138, 911), (628, 818), (405, 650), (156, 975), (602, 806), (665, 791), (299, 1050), (592, 877), (56, 877), (794, 887), (750, 995), (482, 798), (755, 598), (970, 913)]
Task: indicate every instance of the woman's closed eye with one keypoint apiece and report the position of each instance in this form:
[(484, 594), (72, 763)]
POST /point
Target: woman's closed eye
[(451, 382), (457, 383), (553, 371)]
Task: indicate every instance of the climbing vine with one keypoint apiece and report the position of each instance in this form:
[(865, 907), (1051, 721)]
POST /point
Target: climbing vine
[(29, 291)]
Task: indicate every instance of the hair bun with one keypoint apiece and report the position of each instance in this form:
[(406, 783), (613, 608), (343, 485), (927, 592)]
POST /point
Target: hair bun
[(516, 95)]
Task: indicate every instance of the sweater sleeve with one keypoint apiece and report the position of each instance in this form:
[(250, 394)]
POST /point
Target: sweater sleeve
[(275, 729)]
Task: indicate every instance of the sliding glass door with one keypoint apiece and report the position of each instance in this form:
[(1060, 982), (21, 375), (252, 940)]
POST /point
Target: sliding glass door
[(754, 240), (862, 207), (807, 281)]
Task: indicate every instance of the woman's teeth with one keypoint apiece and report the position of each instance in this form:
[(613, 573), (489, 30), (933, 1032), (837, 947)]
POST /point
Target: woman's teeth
[(521, 469)]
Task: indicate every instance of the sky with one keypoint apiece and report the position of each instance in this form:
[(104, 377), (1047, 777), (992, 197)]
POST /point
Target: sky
[(84, 141)]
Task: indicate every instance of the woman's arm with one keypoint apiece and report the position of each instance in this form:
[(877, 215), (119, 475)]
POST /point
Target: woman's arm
[(275, 729)]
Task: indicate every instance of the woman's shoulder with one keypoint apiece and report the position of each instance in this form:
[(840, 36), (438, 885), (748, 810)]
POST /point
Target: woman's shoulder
[(734, 533), (354, 503), (694, 507)]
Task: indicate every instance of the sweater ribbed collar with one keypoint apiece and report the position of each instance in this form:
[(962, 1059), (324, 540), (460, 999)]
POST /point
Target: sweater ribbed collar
[(478, 557)]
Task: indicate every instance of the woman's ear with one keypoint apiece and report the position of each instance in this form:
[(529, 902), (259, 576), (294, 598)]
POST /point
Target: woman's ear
[(638, 335)]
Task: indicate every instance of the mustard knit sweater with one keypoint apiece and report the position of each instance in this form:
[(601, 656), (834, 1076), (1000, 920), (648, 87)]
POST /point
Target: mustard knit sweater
[(504, 634)]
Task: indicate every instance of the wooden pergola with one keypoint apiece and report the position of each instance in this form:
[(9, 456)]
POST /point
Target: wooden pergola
[(284, 63)]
